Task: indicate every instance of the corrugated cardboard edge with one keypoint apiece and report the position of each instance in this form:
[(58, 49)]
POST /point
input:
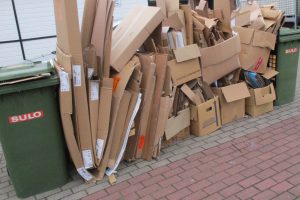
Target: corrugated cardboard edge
[(65, 99), (89, 14), (124, 75), (230, 92), (161, 68), (119, 127), (104, 115), (189, 23), (163, 116), (187, 53), (178, 123)]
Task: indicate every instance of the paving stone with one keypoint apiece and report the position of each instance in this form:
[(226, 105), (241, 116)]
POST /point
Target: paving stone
[(60, 195), (49, 193), (140, 171), (75, 196)]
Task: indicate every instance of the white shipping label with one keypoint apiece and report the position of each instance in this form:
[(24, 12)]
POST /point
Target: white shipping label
[(90, 72), (179, 40), (94, 91), (84, 174), (64, 81), (88, 159), (233, 23), (99, 148), (77, 75)]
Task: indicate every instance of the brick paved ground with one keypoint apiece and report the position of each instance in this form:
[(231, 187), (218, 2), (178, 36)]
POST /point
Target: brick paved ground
[(260, 166), (247, 166)]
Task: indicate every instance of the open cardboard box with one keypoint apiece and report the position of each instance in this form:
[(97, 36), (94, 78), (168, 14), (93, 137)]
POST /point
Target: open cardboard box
[(261, 99), (221, 59), (232, 101), (256, 48), (206, 117)]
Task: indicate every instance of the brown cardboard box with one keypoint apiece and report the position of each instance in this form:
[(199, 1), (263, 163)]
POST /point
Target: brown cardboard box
[(221, 59), (93, 109), (186, 66), (118, 92), (256, 48), (136, 143), (163, 6), (260, 101), (171, 6), (132, 33), (188, 23), (104, 117), (66, 110), (232, 101), (102, 33), (274, 18), (69, 42), (227, 6), (119, 127), (134, 88), (161, 68), (205, 117), (178, 123), (163, 115), (88, 18), (202, 8)]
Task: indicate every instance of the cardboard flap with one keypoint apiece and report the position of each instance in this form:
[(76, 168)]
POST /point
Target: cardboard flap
[(269, 23), (224, 51), (270, 73), (162, 5), (178, 123), (172, 5), (269, 12), (264, 95), (124, 76), (235, 92), (194, 113), (184, 71), (243, 19), (245, 34), (187, 53), (191, 95), (254, 9), (173, 22), (132, 33), (210, 23), (264, 39)]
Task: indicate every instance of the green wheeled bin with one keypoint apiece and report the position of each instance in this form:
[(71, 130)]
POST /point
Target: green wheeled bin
[(30, 130), (287, 64)]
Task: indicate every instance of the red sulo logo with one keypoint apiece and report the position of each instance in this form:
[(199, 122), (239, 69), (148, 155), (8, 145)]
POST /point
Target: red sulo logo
[(26, 117), (292, 50)]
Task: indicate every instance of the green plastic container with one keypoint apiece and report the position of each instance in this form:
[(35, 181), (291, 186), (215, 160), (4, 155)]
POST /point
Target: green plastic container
[(30, 130), (287, 65)]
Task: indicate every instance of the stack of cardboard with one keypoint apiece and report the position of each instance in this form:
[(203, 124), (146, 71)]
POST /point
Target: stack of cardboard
[(164, 72), (100, 81), (258, 28)]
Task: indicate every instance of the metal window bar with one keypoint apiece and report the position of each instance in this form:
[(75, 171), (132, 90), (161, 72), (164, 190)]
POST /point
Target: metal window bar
[(20, 39)]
